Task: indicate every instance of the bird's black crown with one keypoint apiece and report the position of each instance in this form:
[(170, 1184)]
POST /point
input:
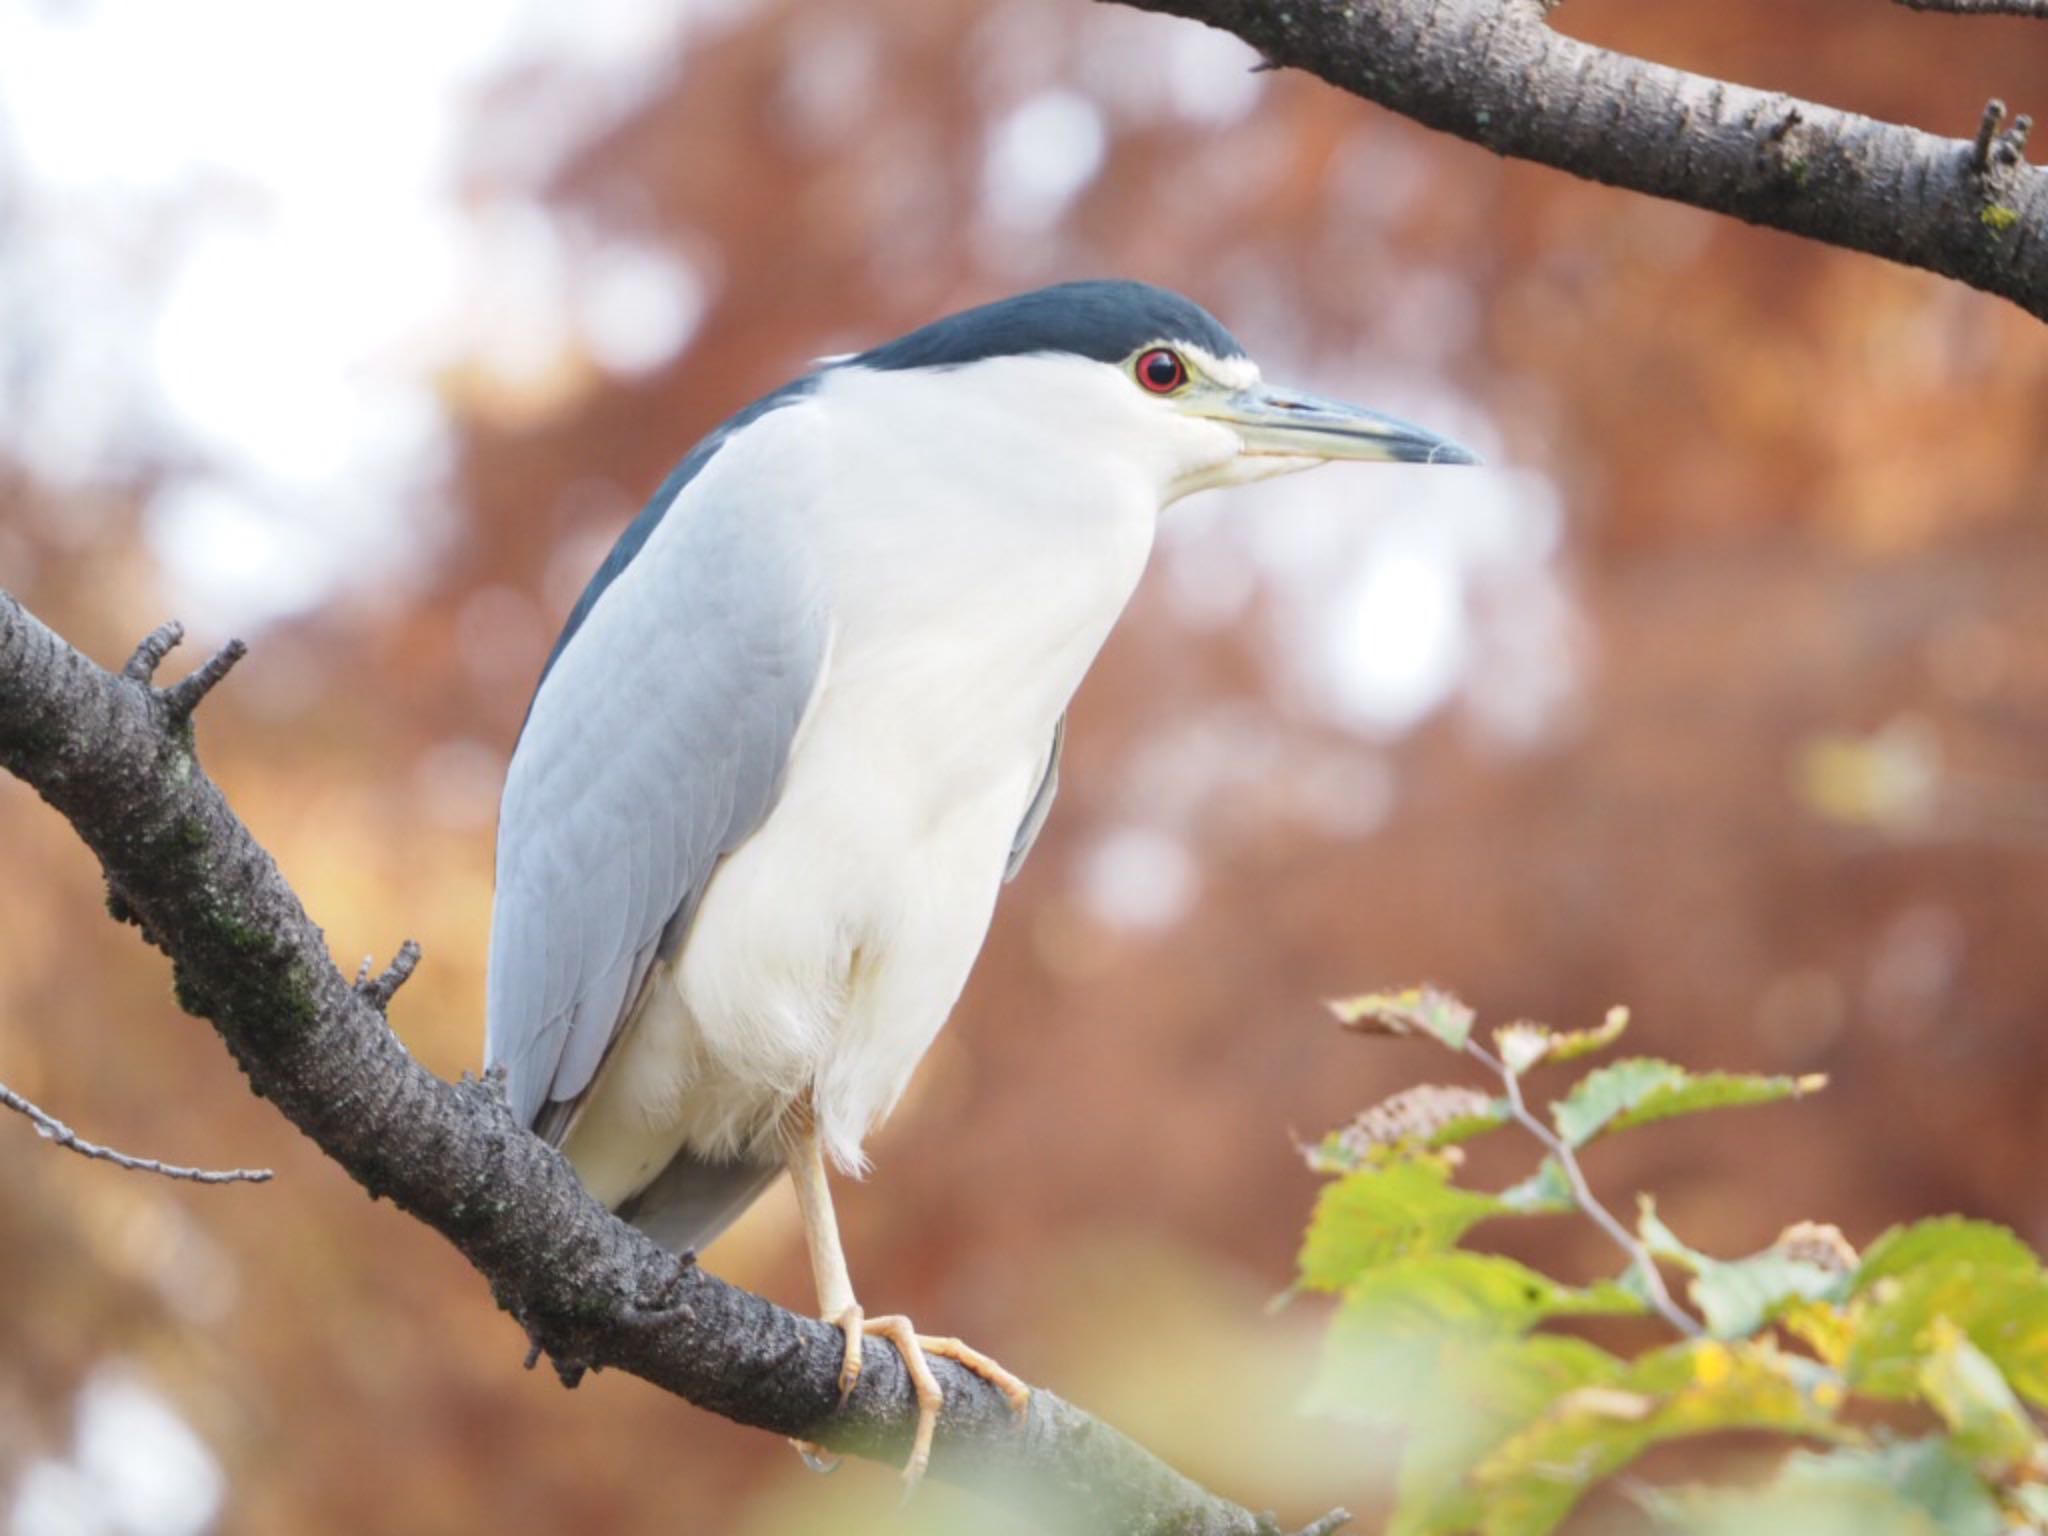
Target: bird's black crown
[(1106, 320)]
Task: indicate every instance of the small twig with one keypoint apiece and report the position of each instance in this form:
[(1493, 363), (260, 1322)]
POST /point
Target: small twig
[(149, 655), (50, 1128), (1335, 1520), (2012, 144), (1583, 1196), (2035, 8), (378, 992), (1987, 135), (183, 697)]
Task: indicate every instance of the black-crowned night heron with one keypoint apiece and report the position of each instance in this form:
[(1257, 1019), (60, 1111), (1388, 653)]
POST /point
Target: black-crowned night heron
[(806, 720)]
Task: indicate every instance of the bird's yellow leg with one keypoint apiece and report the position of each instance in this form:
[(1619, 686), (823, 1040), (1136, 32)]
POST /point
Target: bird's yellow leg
[(805, 1158), (836, 1304)]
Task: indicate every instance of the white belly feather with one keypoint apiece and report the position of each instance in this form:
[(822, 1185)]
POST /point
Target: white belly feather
[(829, 948)]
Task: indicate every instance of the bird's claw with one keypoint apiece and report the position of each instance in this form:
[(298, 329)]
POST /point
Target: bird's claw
[(815, 1456), (851, 1322), (916, 1349)]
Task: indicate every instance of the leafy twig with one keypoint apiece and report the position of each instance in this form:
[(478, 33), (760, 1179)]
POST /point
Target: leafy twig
[(1582, 1193), (50, 1128)]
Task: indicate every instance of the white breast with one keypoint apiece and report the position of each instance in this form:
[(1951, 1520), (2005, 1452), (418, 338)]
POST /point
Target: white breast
[(971, 572)]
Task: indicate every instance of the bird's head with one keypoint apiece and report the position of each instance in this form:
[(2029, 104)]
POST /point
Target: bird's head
[(1140, 374)]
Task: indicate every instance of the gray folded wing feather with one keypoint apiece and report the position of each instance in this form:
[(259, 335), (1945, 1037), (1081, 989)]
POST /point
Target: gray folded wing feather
[(656, 745), (1040, 806), (695, 1198)]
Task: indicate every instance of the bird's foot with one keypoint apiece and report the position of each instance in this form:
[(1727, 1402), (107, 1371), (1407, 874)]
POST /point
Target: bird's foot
[(814, 1455), (916, 1350)]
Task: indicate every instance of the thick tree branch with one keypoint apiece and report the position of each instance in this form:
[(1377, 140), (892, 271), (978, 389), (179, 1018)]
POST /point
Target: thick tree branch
[(114, 756), (1497, 73)]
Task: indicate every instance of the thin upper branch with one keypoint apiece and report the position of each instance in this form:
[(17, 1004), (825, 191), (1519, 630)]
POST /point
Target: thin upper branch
[(1497, 73), (1582, 1193), (50, 1128), (114, 756), (2036, 8)]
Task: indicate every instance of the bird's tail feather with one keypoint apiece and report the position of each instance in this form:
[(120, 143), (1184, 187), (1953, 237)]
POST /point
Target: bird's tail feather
[(695, 1198)]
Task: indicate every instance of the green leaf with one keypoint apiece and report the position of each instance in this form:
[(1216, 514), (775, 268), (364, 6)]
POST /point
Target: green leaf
[(1570, 1044), (1984, 1246), (1521, 1045), (1545, 1192), (1905, 1488), (1643, 1089), (1479, 1293), (1601, 1095), (1435, 1347), (1532, 1483), (1977, 1276), (1717, 1090), (2031, 1500), (1477, 1397), (1738, 1297), (1985, 1418), (1426, 1116), (1415, 1011), (1925, 1475), (1377, 1215)]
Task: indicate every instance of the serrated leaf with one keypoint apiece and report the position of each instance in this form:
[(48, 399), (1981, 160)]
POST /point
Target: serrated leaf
[(1478, 1293), (1644, 1089), (1996, 1296), (1926, 1475), (1521, 1045), (1400, 1324), (1738, 1297), (1741, 1296), (1427, 1116), (1414, 1011), (1849, 1509), (1985, 1419), (1821, 1244), (1601, 1095), (1661, 1240), (1716, 1090), (1904, 1488), (1570, 1044), (1478, 1398), (1984, 1246), (1532, 1483), (1545, 1192), (1829, 1331), (1377, 1215), (1431, 1348)]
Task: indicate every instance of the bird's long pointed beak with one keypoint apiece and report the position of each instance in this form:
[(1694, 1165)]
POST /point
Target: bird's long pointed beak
[(1288, 423)]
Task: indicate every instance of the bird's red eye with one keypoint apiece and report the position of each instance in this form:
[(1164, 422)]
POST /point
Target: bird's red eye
[(1162, 371)]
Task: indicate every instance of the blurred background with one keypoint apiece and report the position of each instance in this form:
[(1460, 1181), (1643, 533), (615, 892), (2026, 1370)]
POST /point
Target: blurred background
[(360, 329)]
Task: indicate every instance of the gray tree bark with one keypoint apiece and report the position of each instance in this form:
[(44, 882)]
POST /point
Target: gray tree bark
[(1498, 73), (115, 755)]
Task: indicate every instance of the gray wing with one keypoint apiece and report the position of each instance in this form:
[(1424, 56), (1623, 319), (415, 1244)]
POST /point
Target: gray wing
[(656, 745), (695, 1198), (1041, 804)]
